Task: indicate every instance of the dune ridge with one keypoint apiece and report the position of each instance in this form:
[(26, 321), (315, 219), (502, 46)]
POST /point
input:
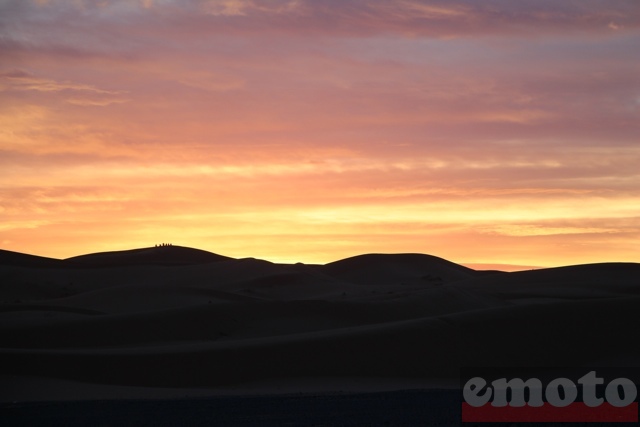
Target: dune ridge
[(159, 255)]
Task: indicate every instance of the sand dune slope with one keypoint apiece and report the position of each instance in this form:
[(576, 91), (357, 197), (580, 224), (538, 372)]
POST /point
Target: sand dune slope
[(26, 260), (397, 268), (164, 255)]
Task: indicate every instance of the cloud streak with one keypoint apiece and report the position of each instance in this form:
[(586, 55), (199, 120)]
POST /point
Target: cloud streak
[(125, 28)]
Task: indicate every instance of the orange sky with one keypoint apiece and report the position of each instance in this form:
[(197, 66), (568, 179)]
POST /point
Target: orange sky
[(297, 130)]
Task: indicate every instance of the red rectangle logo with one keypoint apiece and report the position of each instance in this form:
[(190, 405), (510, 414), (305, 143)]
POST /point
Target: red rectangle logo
[(575, 412)]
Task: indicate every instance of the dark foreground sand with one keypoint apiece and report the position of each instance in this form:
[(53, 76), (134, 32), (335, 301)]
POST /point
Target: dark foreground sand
[(182, 324), (400, 408)]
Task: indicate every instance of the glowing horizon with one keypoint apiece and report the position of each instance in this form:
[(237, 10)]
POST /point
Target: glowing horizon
[(292, 130)]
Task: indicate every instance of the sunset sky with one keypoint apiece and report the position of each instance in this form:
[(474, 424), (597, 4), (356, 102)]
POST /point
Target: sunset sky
[(493, 131)]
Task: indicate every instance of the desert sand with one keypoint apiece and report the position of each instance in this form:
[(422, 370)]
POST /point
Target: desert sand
[(166, 322)]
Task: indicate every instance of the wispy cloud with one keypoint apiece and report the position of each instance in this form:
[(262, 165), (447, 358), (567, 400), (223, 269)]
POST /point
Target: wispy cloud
[(75, 93), (22, 80)]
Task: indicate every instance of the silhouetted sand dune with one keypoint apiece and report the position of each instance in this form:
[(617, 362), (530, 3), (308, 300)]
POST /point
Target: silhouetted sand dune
[(179, 317), (571, 282), (397, 268), (24, 260), (163, 255)]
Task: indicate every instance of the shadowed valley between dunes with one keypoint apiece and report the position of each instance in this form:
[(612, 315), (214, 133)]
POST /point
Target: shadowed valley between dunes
[(170, 317)]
